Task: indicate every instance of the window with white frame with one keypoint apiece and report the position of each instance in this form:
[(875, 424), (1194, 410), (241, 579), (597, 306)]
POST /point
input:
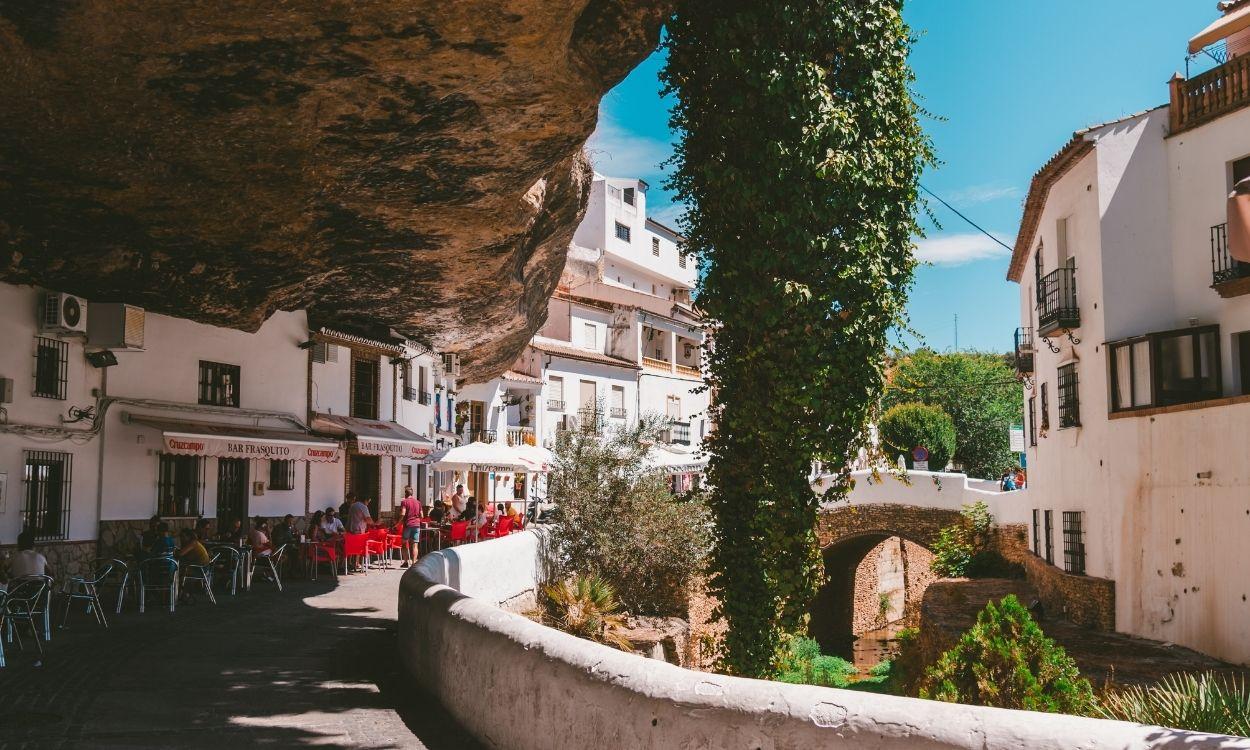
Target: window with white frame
[(590, 336), (618, 402), (555, 393), (622, 231)]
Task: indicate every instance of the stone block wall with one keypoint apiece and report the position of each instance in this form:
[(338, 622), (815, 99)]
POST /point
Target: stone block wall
[(64, 558), (1084, 600), (706, 631)]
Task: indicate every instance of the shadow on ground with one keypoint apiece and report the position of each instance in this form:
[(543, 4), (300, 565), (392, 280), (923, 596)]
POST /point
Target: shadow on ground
[(314, 665)]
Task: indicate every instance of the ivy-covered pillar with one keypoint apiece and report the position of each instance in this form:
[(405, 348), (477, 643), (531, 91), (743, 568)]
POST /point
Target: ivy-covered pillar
[(798, 160)]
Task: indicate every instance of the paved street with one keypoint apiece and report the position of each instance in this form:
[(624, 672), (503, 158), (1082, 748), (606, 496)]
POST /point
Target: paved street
[(313, 666)]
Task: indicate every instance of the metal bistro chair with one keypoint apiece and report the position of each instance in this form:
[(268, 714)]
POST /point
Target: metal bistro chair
[(230, 561), (84, 588), (128, 578), (273, 561), (22, 604), (158, 574), (201, 573)]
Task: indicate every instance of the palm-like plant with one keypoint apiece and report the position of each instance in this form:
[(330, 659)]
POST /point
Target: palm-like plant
[(1207, 702), (586, 606)]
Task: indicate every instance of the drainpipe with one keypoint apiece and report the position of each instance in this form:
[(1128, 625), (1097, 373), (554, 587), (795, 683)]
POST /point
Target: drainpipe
[(99, 469), (308, 416)]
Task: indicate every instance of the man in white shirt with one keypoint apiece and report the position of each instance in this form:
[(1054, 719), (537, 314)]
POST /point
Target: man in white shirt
[(330, 523), (27, 562), (458, 501)]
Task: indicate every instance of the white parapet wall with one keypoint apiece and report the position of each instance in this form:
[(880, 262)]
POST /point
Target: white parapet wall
[(519, 685), (933, 489)]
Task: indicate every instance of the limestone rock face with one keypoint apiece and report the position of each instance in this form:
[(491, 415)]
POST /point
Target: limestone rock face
[(403, 164)]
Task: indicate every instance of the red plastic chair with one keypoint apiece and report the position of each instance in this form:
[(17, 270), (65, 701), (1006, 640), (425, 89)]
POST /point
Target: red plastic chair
[(395, 540), (459, 532), (375, 545), (323, 552), (502, 528), (355, 545)]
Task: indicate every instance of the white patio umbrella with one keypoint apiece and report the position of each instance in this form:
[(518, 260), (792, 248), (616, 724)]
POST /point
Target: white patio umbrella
[(539, 458), (494, 458)]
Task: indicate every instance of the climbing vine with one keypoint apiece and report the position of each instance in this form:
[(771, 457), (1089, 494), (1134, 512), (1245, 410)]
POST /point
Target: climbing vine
[(798, 160)]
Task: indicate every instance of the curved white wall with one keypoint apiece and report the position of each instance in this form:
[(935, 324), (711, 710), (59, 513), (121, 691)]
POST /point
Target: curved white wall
[(934, 489), (516, 684)]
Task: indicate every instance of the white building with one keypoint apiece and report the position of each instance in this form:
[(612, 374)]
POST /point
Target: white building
[(1136, 348), (109, 415), (620, 335)]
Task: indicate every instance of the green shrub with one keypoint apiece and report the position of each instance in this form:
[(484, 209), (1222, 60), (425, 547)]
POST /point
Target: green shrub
[(952, 552), (1006, 661), (906, 426), (1208, 702), (619, 521), (803, 664), (585, 606), (964, 548)]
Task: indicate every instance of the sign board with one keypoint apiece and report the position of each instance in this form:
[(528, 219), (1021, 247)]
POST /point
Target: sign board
[(1016, 436), (920, 453), (236, 447), (374, 446), (920, 465)]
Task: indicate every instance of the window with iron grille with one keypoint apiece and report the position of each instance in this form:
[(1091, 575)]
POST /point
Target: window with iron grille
[(281, 475), (1073, 542), (179, 485), (405, 375), (1069, 400), (219, 384), (51, 367), (1045, 408), (1048, 533), (1037, 532), (364, 388), (1032, 420), (622, 232), (655, 246), (47, 477)]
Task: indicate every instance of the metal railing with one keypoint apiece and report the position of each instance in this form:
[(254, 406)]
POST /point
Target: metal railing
[(410, 393), (678, 433), (425, 398), (1056, 301), (555, 405), (1209, 95), (1024, 349), (482, 436), (1223, 266), (618, 412), (521, 436)]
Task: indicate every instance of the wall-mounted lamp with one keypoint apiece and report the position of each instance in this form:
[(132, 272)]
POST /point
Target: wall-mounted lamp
[(307, 344), (101, 359)]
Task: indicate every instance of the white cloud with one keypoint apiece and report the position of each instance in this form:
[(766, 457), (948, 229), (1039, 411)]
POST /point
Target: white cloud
[(618, 152), (978, 194), (957, 249), (667, 215)]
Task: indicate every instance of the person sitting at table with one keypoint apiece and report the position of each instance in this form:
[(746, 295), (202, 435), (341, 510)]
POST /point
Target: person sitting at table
[(358, 518), (147, 540), (27, 562), (515, 515), (331, 526), (285, 532), (202, 525), (259, 537), (191, 550), (164, 545), (438, 512), (470, 510), (233, 532), (314, 526)]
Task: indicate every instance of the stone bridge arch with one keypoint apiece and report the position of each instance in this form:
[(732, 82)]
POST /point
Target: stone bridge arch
[(847, 534)]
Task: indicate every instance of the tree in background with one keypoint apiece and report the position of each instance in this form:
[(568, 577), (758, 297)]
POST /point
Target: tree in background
[(799, 155), (980, 393), (906, 426)]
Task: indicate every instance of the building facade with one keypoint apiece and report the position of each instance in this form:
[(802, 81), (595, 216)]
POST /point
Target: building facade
[(1135, 351)]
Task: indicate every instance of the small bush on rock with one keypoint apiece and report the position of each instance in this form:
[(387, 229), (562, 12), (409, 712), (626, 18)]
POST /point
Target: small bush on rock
[(585, 606), (1006, 661)]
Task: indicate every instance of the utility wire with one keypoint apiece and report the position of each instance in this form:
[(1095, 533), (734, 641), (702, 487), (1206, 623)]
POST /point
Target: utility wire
[(965, 218)]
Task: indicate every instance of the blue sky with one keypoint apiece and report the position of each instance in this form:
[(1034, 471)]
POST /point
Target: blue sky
[(1012, 79)]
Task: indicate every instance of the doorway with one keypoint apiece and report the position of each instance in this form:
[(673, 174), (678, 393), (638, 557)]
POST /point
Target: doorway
[(366, 481), (232, 479)]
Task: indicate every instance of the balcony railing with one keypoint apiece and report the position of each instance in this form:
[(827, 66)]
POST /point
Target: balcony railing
[(1024, 349), (688, 371), (1056, 302), (410, 393), (482, 436), (618, 412), (425, 398), (678, 432), (555, 404), (1209, 95), (1224, 267), (658, 364), (521, 436)]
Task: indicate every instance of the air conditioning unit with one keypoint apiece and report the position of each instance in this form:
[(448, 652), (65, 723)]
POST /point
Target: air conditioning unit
[(116, 325), (63, 313), (451, 365)]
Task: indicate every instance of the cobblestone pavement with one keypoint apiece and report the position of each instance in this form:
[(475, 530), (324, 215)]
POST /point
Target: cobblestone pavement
[(315, 665)]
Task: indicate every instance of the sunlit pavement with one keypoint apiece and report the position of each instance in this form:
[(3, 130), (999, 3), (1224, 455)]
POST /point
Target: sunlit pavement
[(315, 665)]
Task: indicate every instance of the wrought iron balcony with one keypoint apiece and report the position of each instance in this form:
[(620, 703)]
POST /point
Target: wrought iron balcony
[(618, 412), (425, 398), (1024, 350), (410, 393), (1056, 302), (678, 433), (555, 404), (1225, 268)]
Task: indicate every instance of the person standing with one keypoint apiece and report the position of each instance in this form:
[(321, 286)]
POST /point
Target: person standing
[(410, 519), (358, 518), (458, 501)]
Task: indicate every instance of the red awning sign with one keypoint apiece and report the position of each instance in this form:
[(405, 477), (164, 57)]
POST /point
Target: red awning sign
[(235, 447)]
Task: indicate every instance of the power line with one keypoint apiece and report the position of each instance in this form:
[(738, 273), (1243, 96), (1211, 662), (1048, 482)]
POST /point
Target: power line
[(965, 218)]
